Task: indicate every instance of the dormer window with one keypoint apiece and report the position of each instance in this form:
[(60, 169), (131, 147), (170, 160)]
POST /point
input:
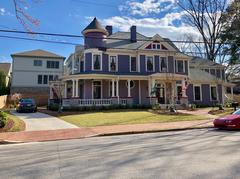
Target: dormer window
[(156, 46), (149, 64), (97, 62), (113, 63)]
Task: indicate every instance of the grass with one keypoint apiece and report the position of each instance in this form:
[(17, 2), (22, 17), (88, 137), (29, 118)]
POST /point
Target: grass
[(118, 117), (18, 124), (221, 113), (13, 124)]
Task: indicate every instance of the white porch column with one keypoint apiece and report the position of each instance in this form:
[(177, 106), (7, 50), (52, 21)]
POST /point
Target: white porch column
[(129, 88), (153, 85), (65, 90), (73, 88), (113, 88), (76, 93), (149, 87), (117, 90)]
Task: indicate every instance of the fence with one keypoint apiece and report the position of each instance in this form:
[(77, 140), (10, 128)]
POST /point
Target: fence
[(3, 101)]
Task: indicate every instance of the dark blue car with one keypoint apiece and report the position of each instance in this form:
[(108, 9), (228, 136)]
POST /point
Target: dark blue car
[(26, 105)]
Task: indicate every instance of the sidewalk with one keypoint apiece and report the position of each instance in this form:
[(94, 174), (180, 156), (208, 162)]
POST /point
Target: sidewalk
[(76, 133)]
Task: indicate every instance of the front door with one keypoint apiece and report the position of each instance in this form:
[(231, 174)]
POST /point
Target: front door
[(160, 94), (97, 90)]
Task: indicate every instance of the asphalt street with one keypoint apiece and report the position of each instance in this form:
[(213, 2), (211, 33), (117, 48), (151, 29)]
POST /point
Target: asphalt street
[(202, 153)]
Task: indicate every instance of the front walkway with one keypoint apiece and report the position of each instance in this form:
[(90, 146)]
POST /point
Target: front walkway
[(63, 134), (40, 121)]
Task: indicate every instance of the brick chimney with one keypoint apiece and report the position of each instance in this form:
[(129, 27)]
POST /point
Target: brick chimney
[(133, 31), (109, 28)]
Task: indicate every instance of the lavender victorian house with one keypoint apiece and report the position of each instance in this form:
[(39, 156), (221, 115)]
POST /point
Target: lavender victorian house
[(130, 68)]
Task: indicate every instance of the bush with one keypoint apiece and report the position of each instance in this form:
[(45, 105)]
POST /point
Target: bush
[(53, 107), (101, 108), (3, 119)]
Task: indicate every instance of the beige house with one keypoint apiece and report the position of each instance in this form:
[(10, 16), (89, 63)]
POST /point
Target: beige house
[(32, 71), (6, 69)]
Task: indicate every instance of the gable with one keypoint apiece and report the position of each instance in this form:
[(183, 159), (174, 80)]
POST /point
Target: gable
[(158, 43)]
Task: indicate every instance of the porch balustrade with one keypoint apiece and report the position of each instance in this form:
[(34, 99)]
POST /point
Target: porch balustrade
[(91, 102)]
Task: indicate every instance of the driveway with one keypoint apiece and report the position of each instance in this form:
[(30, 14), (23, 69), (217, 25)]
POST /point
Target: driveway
[(40, 121), (205, 153)]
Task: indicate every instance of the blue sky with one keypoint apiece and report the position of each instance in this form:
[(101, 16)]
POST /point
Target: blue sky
[(71, 16)]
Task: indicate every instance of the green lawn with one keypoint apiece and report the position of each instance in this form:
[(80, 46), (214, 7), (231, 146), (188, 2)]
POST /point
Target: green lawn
[(13, 124), (18, 124), (125, 117)]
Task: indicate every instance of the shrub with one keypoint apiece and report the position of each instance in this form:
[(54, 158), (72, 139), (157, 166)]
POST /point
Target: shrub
[(53, 107), (3, 119)]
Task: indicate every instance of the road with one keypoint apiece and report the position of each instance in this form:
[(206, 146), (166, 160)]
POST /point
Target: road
[(203, 153)]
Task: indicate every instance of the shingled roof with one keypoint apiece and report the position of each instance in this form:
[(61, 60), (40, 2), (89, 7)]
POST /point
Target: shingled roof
[(201, 62), (122, 40), (95, 25), (38, 53)]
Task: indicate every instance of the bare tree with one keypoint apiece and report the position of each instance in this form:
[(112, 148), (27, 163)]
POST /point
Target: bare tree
[(206, 16), (22, 16), (190, 46)]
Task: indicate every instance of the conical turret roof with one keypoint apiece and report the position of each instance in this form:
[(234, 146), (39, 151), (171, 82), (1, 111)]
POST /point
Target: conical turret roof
[(95, 26)]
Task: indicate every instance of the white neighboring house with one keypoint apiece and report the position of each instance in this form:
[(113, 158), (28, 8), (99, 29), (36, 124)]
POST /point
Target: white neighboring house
[(32, 71)]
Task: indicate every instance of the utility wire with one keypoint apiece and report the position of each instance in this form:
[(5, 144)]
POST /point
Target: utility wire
[(75, 44), (94, 37)]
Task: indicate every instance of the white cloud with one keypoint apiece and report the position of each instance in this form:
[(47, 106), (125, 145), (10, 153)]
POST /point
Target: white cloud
[(151, 26), (146, 7), (2, 11)]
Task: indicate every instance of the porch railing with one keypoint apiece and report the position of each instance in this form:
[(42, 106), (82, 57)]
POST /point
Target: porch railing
[(87, 102)]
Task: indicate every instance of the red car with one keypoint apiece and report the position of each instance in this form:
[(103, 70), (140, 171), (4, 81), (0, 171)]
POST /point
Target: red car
[(228, 122)]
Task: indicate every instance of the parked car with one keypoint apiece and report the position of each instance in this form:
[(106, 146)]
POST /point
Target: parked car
[(26, 105), (228, 122)]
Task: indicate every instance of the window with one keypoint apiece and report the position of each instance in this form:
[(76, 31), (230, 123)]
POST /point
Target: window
[(158, 46), (45, 79), (39, 79), (213, 93), (37, 62), (132, 84), (133, 64), (53, 64), (97, 62), (180, 66), (149, 64), (55, 78), (154, 46), (163, 64), (113, 63), (197, 93), (97, 89), (50, 78)]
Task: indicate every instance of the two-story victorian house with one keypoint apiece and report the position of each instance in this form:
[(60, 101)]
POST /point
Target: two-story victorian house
[(128, 68)]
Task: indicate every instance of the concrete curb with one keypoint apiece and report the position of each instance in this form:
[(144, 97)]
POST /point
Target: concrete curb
[(151, 131), (5, 142)]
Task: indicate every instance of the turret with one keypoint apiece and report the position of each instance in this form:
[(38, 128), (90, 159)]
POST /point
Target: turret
[(95, 35)]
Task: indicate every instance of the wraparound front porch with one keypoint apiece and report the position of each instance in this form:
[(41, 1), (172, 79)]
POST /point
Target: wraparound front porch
[(105, 90)]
